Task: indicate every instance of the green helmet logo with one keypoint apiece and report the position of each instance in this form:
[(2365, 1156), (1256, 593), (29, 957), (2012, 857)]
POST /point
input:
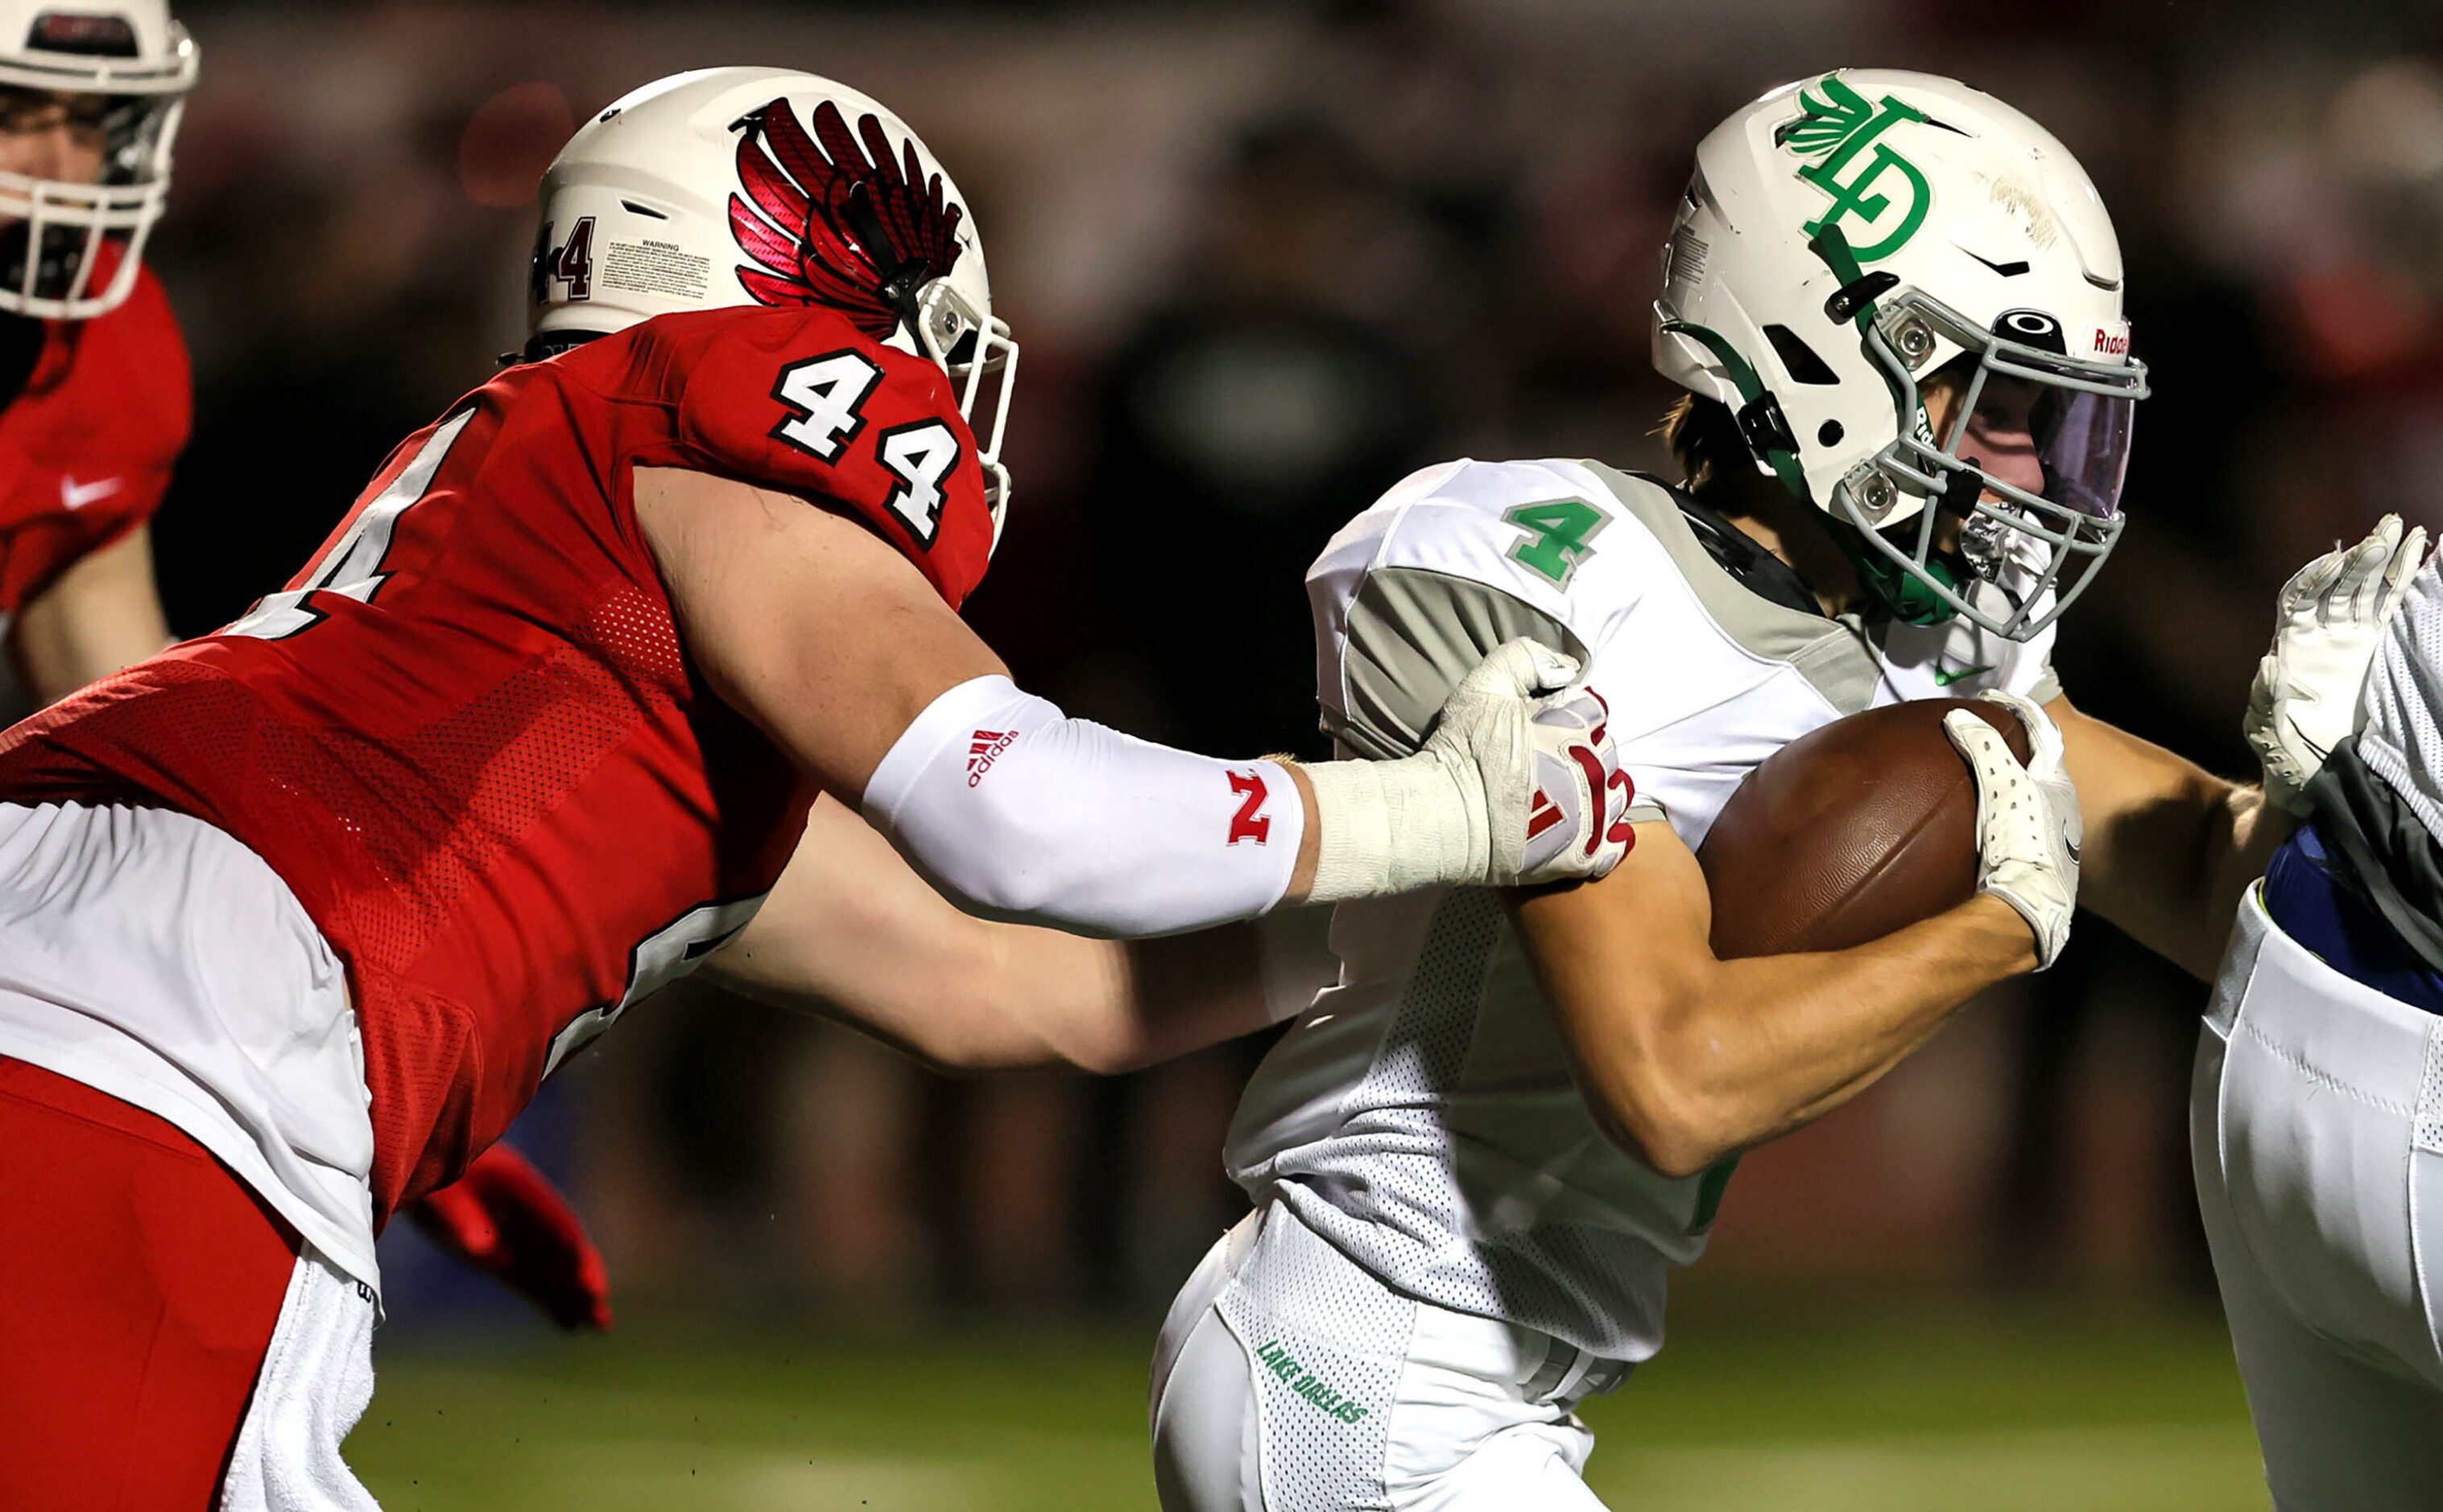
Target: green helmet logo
[(1838, 126)]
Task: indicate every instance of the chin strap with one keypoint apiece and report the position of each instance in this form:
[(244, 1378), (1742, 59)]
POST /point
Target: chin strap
[(1901, 589), (1762, 426), (1766, 432)]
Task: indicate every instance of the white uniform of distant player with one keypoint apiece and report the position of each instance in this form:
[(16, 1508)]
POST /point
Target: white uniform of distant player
[(1447, 1253), (2317, 1114)]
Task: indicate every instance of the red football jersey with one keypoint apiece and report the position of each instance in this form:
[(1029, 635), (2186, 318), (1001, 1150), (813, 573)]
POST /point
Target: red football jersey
[(468, 736), (85, 449)]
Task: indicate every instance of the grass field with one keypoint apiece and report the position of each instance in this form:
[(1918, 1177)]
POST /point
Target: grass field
[(1947, 1406)]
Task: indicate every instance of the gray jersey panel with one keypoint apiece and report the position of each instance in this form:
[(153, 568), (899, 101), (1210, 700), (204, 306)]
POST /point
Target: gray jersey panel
[(1833, 654), (1412, 635)]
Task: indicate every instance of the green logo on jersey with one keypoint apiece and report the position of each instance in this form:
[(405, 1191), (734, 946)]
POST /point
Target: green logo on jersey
[(1275, 1357), (1838, 126), (1945, 676)]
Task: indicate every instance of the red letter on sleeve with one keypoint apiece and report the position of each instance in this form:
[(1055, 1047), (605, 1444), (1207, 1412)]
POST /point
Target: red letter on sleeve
[(1247, 824)]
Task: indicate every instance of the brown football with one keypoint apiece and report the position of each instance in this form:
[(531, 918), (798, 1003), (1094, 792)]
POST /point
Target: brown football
[(1849, 832)]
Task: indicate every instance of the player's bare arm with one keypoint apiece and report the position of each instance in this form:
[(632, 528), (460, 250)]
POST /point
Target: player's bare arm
[(827, 638), (101, 614), (2169, 845), (1686, 1058), (852, 934)]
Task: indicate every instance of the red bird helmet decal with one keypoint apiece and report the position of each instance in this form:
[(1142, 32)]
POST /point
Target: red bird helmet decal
[(849, 225)]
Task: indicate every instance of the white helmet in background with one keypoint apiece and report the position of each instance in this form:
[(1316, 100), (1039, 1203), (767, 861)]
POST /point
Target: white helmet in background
[(1842, 240), (129, 67), (766, 186)]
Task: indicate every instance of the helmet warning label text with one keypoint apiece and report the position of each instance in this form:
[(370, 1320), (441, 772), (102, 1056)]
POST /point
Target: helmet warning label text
[(657, 267)]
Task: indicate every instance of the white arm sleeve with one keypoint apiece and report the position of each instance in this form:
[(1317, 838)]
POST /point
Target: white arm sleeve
[(1016, 811)]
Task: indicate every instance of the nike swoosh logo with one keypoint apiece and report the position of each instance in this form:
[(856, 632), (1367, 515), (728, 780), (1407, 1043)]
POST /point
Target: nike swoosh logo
[(75, 495), (2008, 270), (1945, 676), (2319, 753)]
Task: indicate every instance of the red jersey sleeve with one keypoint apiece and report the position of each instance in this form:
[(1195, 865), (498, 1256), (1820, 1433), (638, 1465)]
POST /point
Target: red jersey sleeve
[(86, 450), (801, 400)]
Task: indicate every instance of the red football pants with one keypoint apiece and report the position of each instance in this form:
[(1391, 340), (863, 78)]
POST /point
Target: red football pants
[(139, 1284)]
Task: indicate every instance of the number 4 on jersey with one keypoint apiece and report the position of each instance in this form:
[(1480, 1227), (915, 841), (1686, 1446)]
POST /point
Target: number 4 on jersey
[(1560, 535), (825, 396)]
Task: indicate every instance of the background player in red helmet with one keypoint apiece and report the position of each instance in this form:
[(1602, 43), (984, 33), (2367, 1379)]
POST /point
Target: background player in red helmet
[(325, 894)]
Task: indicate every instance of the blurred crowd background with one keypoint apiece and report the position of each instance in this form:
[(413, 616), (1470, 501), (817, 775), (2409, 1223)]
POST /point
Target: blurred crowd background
[(1265, 259)]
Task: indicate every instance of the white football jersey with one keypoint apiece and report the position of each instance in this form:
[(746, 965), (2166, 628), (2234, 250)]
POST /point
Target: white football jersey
[(2398, 737), (1421, 1114)]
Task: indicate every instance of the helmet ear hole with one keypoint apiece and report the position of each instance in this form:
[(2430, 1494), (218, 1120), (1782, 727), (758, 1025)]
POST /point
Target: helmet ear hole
[(1799, 359)]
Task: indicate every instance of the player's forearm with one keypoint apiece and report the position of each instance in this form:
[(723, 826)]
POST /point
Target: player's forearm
[(1005, 997), (1018, 812), (1738, 1052), (2171, 872), (101, 615), (851, 934), (2170, 846), (1147, 1001)]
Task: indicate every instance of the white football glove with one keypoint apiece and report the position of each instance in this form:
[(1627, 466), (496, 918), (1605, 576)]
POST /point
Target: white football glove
[(1514, 784), (2327, 626), (2028, 827)]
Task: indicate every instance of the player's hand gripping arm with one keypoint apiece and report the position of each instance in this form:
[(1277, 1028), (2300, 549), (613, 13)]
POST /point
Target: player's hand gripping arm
[(1686, 1058), (2171, 845), (827, 638), (853, 935)]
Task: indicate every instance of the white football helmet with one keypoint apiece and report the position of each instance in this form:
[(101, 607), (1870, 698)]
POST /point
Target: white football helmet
[(766, 186), (1844, 239), (137, 65)]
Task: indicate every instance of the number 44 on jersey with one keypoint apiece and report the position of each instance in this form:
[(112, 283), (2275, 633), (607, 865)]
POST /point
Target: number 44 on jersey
[(825, 398)]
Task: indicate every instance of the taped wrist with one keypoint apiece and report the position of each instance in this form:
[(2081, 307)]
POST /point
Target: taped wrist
[(1392, 827), (1016, 811)]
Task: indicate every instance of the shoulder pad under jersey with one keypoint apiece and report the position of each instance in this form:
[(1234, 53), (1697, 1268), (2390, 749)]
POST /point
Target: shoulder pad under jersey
[(1458, 558), (801, 400)]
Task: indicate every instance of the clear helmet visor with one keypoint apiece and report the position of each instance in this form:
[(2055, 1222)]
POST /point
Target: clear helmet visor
[(2033, 449), (2083, 440)]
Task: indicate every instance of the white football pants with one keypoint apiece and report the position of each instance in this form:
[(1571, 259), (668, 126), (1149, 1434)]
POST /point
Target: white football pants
[(2315, 1124), (1289, 1380)]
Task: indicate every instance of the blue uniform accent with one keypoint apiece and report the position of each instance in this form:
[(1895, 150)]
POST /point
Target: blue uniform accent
[(2308, 893)]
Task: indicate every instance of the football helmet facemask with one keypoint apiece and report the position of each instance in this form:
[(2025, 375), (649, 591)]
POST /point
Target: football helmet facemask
[(120, 68)]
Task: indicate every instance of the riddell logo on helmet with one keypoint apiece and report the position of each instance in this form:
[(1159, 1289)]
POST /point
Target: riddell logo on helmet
[(2112, 343), (983, 749)]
